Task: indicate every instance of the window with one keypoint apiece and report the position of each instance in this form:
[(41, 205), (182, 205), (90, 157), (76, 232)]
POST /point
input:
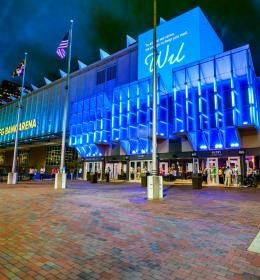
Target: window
[(111, 73), (23, 159), (106, 74), (101, 77), (53, 155)]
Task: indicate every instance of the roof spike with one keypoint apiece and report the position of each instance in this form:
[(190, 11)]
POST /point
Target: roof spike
[(62, 73), (81, 64), (129, 40), (47, 81), (162, 20), (103, 54), (34, 87)]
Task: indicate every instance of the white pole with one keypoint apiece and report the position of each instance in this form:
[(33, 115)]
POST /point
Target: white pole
[(154, 144), (60, 180), (154, 182), (12, 177)]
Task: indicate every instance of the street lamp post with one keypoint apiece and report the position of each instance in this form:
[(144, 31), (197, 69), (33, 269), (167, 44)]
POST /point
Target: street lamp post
[(154, 182)]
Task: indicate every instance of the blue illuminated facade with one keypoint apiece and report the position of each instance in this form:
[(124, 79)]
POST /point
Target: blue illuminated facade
[(215, 97), (208, 103), (206, 98)]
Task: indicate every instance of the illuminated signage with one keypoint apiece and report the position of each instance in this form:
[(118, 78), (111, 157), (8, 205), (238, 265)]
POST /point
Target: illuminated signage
[(182, 40), (22, 126)]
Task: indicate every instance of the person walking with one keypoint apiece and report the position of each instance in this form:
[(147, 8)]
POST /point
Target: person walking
[(53, 173), (31, 173), (42, 172), (228, 174), (75, 174), (205, 176), (107, 173)]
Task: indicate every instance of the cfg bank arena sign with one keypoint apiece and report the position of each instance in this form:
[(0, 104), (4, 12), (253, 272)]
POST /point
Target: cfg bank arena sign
[(182, 40), (22, 126)]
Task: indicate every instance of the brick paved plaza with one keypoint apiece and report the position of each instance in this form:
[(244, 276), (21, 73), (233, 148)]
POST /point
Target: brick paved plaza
[(111, 231)]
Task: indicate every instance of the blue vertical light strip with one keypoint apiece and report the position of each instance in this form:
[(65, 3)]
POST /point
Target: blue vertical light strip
[(113, 113), (216, 105), (50, 95), (128, 110), (121, 100), (233, 103), (174, 103), (202, 99), (186, 102), (200, 145), (138, 97), (250, 90)]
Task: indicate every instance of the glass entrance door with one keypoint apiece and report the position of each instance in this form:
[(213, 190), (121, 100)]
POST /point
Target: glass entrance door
[(163, 168), (139, 167), (212, 167), (92, 167), (117, 170), (234, 164)]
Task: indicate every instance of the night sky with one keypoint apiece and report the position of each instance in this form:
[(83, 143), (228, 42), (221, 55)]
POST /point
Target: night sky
[(38, 26)]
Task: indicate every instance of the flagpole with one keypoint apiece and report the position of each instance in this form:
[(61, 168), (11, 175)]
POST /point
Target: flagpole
[(12, 177), (60, 179)]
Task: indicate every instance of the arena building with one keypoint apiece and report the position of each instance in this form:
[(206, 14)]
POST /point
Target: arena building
[(207, 107)]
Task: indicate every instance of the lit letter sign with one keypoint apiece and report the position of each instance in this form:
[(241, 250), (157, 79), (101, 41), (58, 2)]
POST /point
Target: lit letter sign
[(182, 40), (22, 126)]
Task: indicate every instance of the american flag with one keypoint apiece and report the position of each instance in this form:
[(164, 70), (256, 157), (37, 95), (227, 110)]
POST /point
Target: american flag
[(18, 70), (62, 46)]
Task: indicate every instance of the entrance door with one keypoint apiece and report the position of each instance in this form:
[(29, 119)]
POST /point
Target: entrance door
[(163, 168), (117, 170), (234, 164), (139, 167), (212, 166), (132, 173), (92, 167)]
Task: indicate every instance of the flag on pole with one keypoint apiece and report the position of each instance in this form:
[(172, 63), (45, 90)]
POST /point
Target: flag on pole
[(19, 70), (62, 46)]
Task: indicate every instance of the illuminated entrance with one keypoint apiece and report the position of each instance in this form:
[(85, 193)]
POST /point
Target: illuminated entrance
[(91, 168), (118, 170), (164, 168), (138, 167), (216, 169)]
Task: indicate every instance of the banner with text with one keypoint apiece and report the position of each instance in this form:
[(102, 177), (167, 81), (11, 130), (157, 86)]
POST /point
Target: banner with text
[(178, 42)]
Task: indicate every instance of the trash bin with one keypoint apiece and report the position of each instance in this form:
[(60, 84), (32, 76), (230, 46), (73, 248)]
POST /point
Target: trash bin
[(196, 181), (88, 176), (93, 178), (257, 180), (143, 180)]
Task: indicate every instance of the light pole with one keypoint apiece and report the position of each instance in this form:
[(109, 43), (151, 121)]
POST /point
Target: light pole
[(154, 182), (13, 176)]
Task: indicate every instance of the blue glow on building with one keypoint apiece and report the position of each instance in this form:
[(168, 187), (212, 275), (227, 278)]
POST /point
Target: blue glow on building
[(203, 104)]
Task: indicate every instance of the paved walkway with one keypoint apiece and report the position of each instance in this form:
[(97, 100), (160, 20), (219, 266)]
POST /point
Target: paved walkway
[(112, 232)]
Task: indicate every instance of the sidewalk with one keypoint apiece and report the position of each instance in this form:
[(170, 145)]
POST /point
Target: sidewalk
[(110, 231)]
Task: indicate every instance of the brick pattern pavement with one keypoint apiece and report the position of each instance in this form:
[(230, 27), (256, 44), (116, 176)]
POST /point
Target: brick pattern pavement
[(111, 231)]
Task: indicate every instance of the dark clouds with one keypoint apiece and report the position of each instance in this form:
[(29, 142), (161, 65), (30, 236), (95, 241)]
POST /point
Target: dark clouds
[(38, 26)]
